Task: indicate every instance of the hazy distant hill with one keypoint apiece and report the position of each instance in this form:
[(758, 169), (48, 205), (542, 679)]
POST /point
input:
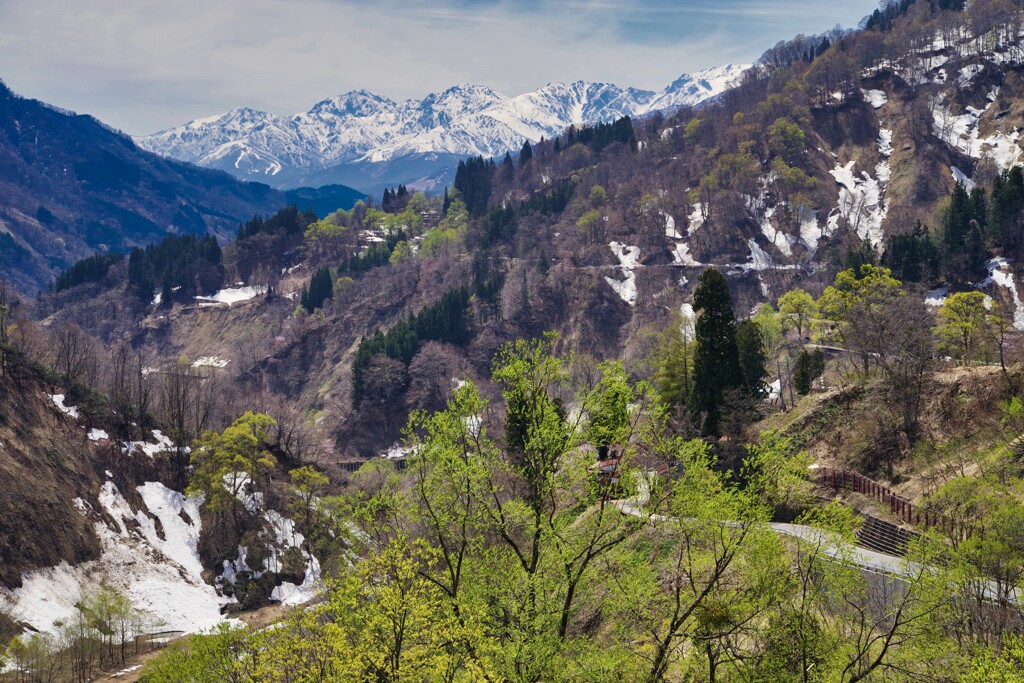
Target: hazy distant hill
[(70, 186)]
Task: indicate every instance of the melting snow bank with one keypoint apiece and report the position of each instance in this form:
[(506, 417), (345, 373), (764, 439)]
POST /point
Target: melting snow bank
[(961, 132), (162, 444), (156, 567), (876, 98), (231, 295), (936, 297), (961, 177), (999, 273), (58, 400), (629, 259), (860, 201)]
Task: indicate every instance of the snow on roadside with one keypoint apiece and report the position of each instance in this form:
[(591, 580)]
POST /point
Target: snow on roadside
[(58, 400), (681, 255), (210, 362), (231, 295), (629, 259)]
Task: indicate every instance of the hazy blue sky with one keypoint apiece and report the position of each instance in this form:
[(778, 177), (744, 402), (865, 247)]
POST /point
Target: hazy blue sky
[(144, 65)]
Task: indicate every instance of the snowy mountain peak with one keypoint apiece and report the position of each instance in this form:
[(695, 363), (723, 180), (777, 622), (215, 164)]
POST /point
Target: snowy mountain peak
[(353, 103), (363, 127)]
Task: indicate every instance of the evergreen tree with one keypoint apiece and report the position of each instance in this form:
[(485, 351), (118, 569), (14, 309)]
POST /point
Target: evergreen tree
[(525, 154), (320, 289), (716, 361), (752, 357)]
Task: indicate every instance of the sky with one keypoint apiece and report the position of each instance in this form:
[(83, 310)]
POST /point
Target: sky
[(145, 65)]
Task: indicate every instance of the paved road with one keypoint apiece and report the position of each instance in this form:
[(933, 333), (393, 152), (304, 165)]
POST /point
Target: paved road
[(845, 552)]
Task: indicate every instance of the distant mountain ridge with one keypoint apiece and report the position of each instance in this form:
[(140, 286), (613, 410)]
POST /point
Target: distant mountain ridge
[(339, 136), (71, 186)]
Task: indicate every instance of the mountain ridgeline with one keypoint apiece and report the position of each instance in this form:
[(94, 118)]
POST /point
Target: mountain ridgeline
[(368, 141), (562, 400)]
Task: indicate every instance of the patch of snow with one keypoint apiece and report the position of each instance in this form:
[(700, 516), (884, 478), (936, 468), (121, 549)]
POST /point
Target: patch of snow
[(160, 444), (860, 201), (98, 435), (396, 452), (629, 259), (810, 231), (759, 258), (160, 575), (960, 131), (289, 594), (58, 400), (670, 227), (961, 177), (876, 98), (967, 74), (936, 297), (681, 255), (885, 142), (1000, 274), (781, 240), (158, 299), (210, 362), (696, 218), (232, 295)]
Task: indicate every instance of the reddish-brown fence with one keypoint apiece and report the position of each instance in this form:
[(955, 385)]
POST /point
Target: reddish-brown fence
[(904, 509)]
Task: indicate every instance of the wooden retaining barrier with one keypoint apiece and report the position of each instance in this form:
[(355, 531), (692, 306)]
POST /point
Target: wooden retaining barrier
[(845, 480)]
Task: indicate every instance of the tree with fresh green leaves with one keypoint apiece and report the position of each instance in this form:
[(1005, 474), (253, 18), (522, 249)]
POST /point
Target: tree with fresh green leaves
[(226, 464), (962, 324), (798, 309)]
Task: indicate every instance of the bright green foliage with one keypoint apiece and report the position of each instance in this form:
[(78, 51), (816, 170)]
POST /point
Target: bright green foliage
[(1006, 666), (224, 463), (863, 303), (608, 406), (771, 326), (716, 361), (401, 252), (673, 363), (962, 324), (778, 471), (787, 139), (798, 309)]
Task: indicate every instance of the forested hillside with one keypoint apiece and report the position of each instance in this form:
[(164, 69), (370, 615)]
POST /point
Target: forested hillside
[(726, 394), (70, 186)]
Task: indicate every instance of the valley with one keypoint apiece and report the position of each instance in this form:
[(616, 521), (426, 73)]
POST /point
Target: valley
[(719, 383)]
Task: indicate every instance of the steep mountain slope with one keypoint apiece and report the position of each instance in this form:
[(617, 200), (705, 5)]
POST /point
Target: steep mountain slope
[(360, 127), (70, 186)]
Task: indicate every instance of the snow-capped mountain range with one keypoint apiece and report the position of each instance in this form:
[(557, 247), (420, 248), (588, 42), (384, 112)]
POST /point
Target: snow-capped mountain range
[(360, 128)]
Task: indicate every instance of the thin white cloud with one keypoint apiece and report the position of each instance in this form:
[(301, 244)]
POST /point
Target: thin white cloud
[(149, 64)]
